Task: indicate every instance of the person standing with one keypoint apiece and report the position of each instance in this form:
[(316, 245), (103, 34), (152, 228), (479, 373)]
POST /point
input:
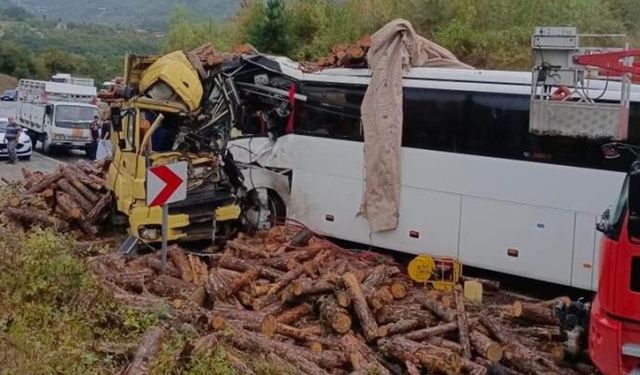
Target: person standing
[(95, 128), (11, 135)]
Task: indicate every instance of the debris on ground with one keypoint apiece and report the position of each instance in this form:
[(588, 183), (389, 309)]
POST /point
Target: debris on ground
[(72, 198), (292, 295)]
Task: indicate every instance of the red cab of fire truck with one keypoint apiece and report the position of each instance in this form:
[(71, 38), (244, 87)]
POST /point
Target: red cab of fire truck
[(614, 324)]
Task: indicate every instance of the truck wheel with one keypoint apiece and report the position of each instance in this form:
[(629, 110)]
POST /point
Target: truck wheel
[(46, 145)]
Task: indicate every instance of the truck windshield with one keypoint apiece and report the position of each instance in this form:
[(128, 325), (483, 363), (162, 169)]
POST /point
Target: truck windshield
[(70, 116)]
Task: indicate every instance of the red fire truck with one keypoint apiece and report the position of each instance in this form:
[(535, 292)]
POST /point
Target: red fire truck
[(614, 327)]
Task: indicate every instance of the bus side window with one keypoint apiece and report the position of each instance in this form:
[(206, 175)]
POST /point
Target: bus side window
[(433, 119)]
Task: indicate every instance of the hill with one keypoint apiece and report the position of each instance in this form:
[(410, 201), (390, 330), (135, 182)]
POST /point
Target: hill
[(136, 14), (7, 82)]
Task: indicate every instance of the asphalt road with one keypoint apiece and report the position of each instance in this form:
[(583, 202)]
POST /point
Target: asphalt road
[(38, 162)]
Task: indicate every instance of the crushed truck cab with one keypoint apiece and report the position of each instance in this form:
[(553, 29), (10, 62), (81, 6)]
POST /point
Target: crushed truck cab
[(158, 120)]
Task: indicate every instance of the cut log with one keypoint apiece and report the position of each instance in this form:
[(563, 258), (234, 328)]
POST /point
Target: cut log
[(333, 315), (390, 314), (496, 368), (378, 276), (179, 258), (435, 360), (342, 297), (545, 333), (294, 314), (440, 311), (463, 327), (82, 188), (563, 301), (240, 282), (485, 347), (400, 326), (286, 262), (270, 326), (473, 368), (425, 333), (98, 212), (534, 313), (168, 286), (365, 316), (398, 290), (495, 329), (70, 207), (86, 205), (243, 248), (37, 217), (379, 298), (304, 287), (297, 356), (446, 344), (48, 180), (555, 350), (243, 265), (147, 350), (361, 356)]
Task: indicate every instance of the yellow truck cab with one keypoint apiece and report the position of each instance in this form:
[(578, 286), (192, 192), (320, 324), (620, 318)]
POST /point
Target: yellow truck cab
[(158, 121)]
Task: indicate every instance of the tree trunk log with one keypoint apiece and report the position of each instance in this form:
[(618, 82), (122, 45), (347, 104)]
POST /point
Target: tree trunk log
[(294, 314), (435, 360), (361, 356), (496, 329), (379, 275), (496, 368), (473, 368), (48, 180), (425, 333), (534, 313), (82, 188), (38, 217), (244, 265), (70, 207), (99, 210), (147, 350), (485, 347), (435, 307), (86, 205), (342, 297), (303, 287), (400, 326), (545, 333), (463, 327), (168, 286), (367, 321), (333, 315)]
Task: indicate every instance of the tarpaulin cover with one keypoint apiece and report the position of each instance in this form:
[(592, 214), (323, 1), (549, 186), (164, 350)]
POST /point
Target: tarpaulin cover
[(394, 50)]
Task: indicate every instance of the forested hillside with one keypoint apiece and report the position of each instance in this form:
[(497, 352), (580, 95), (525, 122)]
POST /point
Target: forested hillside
[(147, 14)]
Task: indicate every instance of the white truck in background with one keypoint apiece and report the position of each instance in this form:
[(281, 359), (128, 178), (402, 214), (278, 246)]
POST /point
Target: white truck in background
[(57, 113)]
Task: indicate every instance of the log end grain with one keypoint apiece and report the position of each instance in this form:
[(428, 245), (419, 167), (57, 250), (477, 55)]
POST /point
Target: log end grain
[(398, 290), (269, 325)]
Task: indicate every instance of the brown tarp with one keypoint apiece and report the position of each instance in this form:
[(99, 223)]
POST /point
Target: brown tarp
[(394, 50)]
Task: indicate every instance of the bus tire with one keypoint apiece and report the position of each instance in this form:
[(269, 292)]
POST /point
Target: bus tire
[(277, 208)]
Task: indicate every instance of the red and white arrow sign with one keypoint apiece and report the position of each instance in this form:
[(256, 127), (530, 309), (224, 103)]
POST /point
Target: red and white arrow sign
[(166, 183)]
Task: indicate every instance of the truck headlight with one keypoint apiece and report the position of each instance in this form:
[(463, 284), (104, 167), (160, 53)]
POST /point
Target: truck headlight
[(58, 136), (149, 233)]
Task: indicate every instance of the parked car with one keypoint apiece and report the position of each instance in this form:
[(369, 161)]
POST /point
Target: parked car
[(24, 148), (9, 96)]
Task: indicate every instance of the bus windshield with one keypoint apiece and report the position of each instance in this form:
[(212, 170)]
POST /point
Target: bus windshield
[(71, 116)]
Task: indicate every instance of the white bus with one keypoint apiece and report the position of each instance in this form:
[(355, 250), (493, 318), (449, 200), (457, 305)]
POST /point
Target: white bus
[(476, 184)]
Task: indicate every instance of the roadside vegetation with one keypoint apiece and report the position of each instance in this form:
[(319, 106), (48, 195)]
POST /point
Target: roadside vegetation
[(483, 33)]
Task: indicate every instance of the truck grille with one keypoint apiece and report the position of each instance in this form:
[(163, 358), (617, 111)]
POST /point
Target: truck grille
[(635, 274)]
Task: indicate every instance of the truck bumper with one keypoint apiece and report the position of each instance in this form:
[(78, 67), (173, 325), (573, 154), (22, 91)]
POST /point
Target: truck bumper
[(614, 344), (71, 144)]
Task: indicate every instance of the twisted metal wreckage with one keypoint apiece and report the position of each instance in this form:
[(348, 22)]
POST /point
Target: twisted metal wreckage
[(188, 106)]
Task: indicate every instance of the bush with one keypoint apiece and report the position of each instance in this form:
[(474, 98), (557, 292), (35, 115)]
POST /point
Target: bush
[(54, 316)]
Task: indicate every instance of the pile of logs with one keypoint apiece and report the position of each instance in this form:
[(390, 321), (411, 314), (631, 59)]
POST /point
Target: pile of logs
[(290, 295), (72, 198), (342, 56)]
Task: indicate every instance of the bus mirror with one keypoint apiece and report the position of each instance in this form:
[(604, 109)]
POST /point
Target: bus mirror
[(116, 119), (634, 194)]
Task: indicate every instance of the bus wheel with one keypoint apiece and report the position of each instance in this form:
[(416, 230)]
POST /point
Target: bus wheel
[(262, 209)]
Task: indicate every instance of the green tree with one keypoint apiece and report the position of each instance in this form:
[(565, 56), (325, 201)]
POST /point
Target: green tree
[(15, 60), (270, 35)]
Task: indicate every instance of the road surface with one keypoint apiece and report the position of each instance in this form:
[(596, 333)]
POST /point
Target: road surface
[(38, 162)]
